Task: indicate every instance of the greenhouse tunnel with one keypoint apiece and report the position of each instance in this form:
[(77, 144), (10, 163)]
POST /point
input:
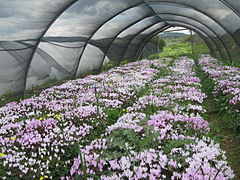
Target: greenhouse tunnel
[(59, 39)]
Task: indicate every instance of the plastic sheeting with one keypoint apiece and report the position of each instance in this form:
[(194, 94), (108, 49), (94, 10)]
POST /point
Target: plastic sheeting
[(49, 39)]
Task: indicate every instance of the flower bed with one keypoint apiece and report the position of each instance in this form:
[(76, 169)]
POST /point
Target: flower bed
[(162, 136), (226, 78), (226, 82), (139, 121), (40, 135)]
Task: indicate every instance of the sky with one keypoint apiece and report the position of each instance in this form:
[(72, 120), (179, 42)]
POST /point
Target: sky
[(179, 30)]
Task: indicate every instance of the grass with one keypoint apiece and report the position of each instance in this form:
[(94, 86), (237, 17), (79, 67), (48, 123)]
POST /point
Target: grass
[(224, 134), (99, 127), (181, 49), (10, 97), (174, 51), (18, 96), (221, 122), (222, 130)]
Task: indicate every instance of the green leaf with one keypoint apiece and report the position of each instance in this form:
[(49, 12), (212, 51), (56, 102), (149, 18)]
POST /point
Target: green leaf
[(176, 144)]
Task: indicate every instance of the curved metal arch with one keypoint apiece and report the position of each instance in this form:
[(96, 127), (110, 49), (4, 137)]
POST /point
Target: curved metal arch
[(210, 28), (39, 40), (137, 34), (197, 28), (200, 34), (131, 39), (193, 28), (219, 38), (156, 31), (110, 44), (217, 45), (191, 19), (94, 32), (222, 42), (40, 52), (141, 3), (187, 26), (135, 5), (176, 5), (207, 42), (206, 14), (146, 39), (70, 4), (230, 7), (52, 22)]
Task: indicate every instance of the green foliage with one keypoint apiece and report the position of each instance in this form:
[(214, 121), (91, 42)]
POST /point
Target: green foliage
[(224, 121), (174, 51), (177, 144), (221, 102), (119, 142), (3, 170), (113, 114), (158, 42), (63, 170), (162, 72), (171, 144), (125, 61), (207, 83), (18, 96), (10, 97), (182, 47), (144, 91), (151, 109), (228, 112), (99, 125), (109, 65), (122, 141), (150, 140)]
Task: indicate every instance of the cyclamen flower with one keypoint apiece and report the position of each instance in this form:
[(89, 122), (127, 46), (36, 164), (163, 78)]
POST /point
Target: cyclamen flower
[(36, 133), (226, 78)]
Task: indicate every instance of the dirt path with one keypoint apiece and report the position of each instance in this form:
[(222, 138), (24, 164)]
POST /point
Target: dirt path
[(226, 136)]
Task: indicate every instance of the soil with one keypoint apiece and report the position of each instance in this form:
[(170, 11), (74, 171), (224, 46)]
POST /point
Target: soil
[(228, 138)]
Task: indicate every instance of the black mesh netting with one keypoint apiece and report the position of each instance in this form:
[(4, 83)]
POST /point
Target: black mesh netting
[(57, 39)]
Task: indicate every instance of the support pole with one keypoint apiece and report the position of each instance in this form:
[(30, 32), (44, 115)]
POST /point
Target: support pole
[(191, 40), (158, 46)]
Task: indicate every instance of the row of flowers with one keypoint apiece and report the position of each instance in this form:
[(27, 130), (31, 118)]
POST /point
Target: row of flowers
[(161, 136), (39, 137), (226, 78)]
